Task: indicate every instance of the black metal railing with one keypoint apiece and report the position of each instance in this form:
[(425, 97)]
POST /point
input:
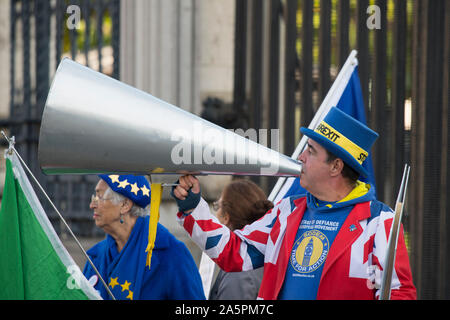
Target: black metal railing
[(403, 67), (287, 54), (40, 36)]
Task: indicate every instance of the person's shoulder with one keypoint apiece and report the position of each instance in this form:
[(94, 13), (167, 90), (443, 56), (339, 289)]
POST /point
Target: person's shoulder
[(295, 200), (97, 248), (379, 209), (165, 239), (292, 200), (170, 249)]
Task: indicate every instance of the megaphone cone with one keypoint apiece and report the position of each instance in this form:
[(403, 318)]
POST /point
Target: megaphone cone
[(95, 124)]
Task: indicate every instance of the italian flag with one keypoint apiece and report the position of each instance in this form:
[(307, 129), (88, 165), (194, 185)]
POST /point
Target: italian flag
[(33, 262)]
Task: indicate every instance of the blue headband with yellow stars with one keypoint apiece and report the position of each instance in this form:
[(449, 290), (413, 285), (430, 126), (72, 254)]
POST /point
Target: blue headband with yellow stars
[(135, 188)]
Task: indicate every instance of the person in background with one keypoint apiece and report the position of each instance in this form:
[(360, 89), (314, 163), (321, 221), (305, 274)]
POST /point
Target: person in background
[(241, 202)]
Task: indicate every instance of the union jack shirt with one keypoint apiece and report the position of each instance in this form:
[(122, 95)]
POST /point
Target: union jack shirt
[(353, 267)]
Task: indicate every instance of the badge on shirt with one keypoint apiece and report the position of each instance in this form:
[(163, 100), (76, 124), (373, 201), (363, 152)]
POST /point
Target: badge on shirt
[(309, 251)]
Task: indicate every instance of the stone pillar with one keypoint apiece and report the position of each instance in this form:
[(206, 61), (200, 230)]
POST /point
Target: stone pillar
[(178, 51)]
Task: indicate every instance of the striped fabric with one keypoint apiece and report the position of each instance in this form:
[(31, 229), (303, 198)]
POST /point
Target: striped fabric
[(354, 263)]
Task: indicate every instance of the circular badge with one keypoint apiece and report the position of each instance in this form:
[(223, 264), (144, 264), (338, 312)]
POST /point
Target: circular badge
[(309, 251), (93, 280)]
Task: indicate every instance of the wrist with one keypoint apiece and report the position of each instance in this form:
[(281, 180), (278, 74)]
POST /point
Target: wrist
[(187, 212)]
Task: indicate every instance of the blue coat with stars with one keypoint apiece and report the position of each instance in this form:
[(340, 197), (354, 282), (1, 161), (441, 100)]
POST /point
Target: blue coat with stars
[(173, 274)]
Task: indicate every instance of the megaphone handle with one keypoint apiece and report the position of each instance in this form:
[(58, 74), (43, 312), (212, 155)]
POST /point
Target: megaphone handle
[(170, 184)]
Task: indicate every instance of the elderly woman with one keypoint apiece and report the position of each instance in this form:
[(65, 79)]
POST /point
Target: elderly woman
[(121, 209)]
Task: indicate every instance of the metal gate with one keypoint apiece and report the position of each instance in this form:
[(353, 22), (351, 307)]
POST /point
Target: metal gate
[(287, 54), (41, 33)]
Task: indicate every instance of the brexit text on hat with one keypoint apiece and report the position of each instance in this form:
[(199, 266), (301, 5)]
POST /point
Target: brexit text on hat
[(338, 138), (327, 132)]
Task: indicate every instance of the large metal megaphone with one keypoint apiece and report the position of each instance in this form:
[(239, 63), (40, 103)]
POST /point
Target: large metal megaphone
[(95, 124)]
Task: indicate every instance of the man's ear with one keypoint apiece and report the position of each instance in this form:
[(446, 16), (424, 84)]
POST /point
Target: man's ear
[(126, 206), (337, 165)]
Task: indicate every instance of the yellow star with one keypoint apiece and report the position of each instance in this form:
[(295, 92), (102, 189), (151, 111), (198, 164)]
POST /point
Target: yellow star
[(125, 286), (134, 188), (145, 191), (113, 282), (114, 178), (123, 184), (130, 295)]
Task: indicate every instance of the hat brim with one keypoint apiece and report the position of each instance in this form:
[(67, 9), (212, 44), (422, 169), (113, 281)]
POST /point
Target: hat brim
[(336, 150)]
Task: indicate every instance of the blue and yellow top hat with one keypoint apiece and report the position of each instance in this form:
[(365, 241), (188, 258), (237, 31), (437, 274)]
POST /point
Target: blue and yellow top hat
[(345, 137), (135, 188)]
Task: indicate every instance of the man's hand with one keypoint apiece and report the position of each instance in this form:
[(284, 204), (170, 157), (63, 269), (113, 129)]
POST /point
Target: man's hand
[(187, 193), (185, 183)]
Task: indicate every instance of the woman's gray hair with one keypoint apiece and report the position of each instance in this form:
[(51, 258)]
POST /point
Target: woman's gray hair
[(117, 198)]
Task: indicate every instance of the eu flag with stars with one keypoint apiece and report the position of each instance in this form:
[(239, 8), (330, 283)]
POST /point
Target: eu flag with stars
[(173, 274)]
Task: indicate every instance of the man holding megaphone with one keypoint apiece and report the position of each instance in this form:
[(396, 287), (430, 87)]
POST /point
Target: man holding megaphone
[(329, 243)]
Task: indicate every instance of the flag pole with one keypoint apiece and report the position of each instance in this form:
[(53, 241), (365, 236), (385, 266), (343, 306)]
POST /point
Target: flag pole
[(11, 142), (393, 237), (327, 103)]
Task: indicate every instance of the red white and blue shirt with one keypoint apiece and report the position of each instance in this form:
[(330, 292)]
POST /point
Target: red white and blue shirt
[(348, 269)]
